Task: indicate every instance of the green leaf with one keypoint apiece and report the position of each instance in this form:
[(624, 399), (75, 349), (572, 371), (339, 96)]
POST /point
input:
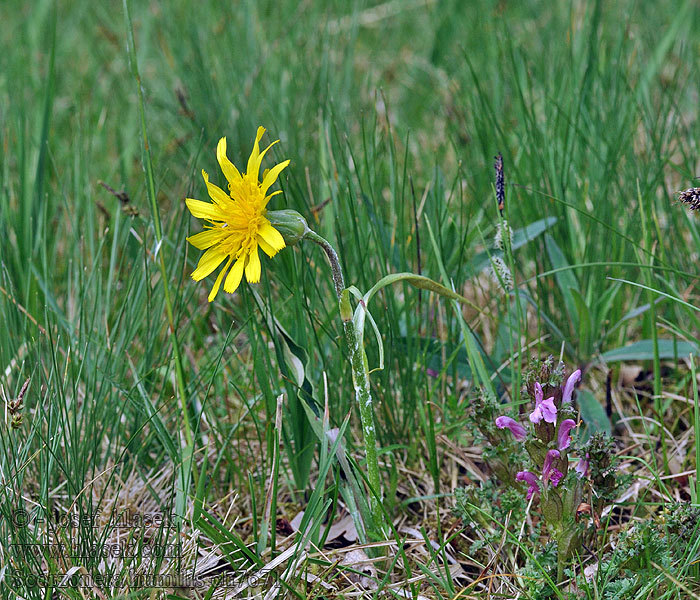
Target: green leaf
[(644, 350), (293, 361), (593, 414), (418, 281), (350, 488), (359, 321), (528, 233), (552, 507), (635, 312)]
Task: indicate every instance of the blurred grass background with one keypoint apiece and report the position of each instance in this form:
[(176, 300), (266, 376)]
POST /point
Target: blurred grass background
[(391, 113)]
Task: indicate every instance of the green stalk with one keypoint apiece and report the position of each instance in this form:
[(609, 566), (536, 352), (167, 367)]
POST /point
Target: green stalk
[(560, 567), (515, 365), (563, 538), (360, 376), (696, 425), (155, 214)]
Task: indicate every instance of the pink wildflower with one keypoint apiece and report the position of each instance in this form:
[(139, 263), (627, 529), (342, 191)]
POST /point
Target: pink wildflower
[(548, 471), (544, 409), (583, 466), (531, 480), (563, 437), (571, 382), (518, 431)]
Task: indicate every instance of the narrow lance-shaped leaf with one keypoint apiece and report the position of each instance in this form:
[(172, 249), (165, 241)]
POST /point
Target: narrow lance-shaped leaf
[(417, 281), (644, 350)]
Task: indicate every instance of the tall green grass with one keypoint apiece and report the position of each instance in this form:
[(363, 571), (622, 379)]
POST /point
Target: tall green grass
[(391, 114)]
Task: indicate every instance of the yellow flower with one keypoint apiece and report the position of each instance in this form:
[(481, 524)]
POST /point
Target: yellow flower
[(238, 224)]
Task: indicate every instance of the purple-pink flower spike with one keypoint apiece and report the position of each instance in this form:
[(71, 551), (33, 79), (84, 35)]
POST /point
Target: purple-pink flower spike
[(518, 431), (563, 437), (571, 382), (531, 480)]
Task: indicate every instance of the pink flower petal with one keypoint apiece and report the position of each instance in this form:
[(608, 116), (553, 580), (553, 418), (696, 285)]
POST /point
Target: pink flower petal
[(583, 466), (555, 477), (519, 432), (571, 382), (548, 460), (531, 480), (563, 437), (549, 410), (536, 415)]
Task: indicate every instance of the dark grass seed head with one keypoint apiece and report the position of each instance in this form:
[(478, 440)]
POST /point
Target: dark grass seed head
[(500, 183), (691, 197)]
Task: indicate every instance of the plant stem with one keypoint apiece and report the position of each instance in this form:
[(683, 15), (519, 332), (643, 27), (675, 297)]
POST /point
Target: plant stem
[(334, 261), (560, 569), (360, 376)]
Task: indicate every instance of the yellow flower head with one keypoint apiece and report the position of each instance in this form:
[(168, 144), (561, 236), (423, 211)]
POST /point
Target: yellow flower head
[(238, 224)]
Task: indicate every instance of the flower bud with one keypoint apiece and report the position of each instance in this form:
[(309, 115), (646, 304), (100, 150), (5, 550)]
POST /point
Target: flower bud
[(290, 224)]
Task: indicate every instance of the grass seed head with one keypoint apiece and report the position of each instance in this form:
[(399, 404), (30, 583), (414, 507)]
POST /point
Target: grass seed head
[(500, 274), (691, 197)]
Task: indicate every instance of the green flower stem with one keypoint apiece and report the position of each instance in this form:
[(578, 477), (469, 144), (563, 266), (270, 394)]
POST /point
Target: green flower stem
[(360, 375), (360, 380), (333, 259)]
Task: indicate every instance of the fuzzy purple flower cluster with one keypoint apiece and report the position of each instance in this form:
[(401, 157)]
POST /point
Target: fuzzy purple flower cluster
[(548, 416)]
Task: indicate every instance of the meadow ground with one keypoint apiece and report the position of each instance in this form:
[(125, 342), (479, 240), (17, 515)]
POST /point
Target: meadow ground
[(155, 444)]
